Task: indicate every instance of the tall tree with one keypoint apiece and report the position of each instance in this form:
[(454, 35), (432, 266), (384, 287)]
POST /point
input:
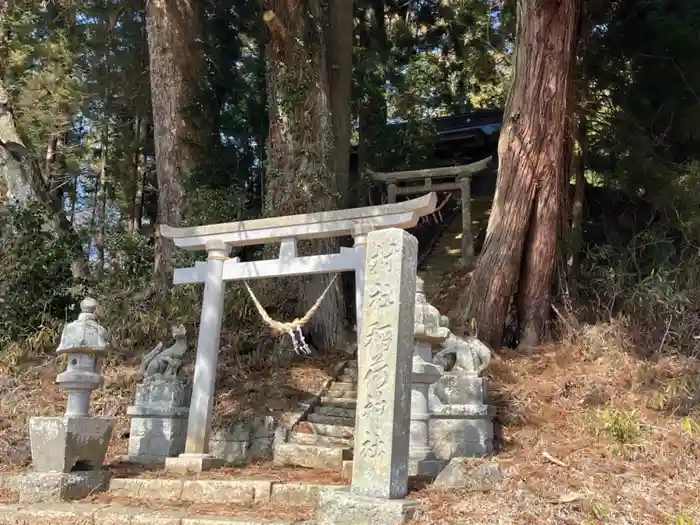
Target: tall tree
[(372, 111), (519, 254), (339, 49), (174, 31), (300, 152)]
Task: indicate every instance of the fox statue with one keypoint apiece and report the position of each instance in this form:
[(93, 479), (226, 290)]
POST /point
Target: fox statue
[(166, 363)]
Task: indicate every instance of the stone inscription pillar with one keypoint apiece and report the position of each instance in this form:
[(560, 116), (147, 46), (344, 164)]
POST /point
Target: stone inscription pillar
[(196, 456), (380, 465)]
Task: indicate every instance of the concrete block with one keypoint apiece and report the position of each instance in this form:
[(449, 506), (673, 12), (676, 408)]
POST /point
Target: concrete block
[(166, 489), (58, 514), (310, 456), (333, 430), (224, 492), (329, 410), (303, 438)]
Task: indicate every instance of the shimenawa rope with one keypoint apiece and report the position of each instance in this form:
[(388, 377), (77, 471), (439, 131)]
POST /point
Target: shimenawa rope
[(293, 328)]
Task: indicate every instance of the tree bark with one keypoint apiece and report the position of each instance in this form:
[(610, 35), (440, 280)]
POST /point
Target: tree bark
[(519, 254), (338, 41), (101, 206), (174, 28), (579, 142), (140, 128), (576, 228), (339, 53), (20, 172), (300, 176)]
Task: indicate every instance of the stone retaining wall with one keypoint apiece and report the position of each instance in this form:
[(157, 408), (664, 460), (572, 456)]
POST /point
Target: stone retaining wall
[(91, 514), (253, 440), (244, 441), (207, 491), (219, 491)]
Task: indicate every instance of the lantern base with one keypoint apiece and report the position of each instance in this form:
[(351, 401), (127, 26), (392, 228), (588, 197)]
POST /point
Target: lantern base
[(69, 444)]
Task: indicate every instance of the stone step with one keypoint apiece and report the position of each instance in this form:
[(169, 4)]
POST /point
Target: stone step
[(339, 402), (72, 513), (331, 420), (333, 430), (302, 438), (341, 393), (344, 385), (348, 379), (310, 456), (335, 411)]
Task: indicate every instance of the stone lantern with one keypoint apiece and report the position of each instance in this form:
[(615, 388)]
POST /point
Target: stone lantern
[(430, 329), (68, 451), (83, 341)]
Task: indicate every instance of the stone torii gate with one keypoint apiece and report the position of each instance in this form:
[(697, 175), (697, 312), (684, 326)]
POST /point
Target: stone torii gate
[(448, 178), (218, 239)]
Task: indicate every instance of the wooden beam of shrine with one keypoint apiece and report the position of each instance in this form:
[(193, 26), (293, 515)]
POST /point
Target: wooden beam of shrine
[(443, 186)]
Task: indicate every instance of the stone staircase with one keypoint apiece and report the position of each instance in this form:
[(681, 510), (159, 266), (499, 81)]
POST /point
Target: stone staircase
[(443, 258), (445, 255), (325, 438)]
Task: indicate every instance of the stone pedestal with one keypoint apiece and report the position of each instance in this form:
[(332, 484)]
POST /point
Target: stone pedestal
[(68, 444), (158, 420), (421, 460), (342, 507), (192, 463), (429, 330), (464, 426)]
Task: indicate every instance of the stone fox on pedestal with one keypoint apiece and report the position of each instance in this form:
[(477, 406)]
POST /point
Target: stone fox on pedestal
[(166, 363), (471, 356)]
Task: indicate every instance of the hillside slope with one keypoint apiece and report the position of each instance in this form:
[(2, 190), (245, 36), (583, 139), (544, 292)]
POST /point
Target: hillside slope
[(588, 431)]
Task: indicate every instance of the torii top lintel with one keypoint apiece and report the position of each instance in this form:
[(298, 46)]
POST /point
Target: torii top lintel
[(317, 225)]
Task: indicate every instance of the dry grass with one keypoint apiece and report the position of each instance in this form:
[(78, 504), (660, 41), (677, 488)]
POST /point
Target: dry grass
[(624, 428), (8, 496)]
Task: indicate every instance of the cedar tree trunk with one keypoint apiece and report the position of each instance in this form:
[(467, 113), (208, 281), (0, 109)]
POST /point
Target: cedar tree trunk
[(519, 254), (300, 157), (373, 109), (173, 27)]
